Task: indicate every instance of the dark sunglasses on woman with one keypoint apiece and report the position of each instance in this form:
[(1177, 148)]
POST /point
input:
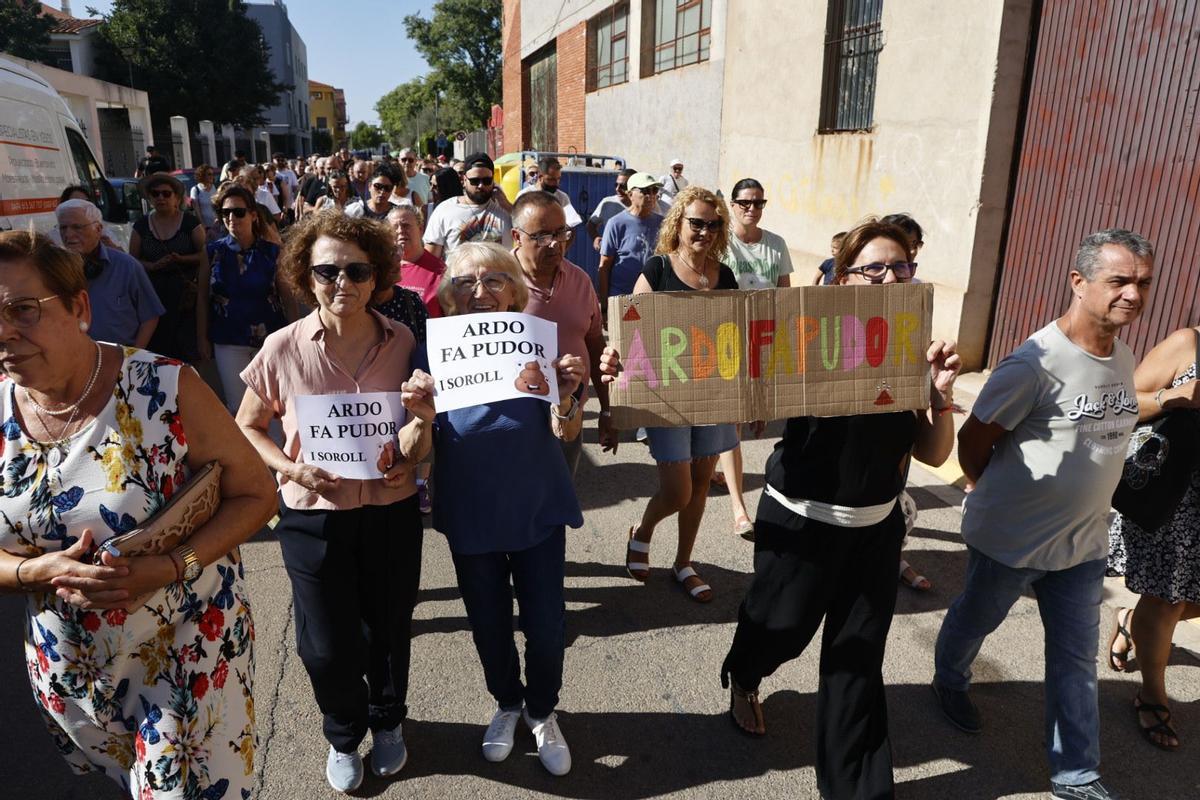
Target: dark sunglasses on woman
[(746, 205), (237, 212), (697, 224), (357, 272)]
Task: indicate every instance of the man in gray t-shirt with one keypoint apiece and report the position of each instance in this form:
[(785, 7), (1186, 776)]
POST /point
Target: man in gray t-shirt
[(1045, 445)]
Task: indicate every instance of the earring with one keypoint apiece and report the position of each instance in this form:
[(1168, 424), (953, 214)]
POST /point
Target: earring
[(83, 326)]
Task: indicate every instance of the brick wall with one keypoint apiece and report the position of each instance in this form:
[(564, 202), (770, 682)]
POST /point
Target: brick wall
[(511, 77), (572, 88)]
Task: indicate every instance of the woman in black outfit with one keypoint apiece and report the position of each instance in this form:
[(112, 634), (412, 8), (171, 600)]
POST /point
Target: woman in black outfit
[(827, 547), (171, 244)]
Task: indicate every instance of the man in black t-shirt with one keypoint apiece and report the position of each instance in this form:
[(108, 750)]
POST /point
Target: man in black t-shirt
[(152, 163)]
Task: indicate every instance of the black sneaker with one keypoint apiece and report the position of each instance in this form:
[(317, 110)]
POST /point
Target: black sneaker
[(1088, 791), (959, 709)]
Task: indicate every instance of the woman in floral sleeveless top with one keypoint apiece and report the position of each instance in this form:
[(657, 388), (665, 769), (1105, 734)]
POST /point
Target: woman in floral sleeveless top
[(142, 666)]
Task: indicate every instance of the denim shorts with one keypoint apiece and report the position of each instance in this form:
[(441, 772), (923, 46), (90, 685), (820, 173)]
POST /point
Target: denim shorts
[(690, 442)]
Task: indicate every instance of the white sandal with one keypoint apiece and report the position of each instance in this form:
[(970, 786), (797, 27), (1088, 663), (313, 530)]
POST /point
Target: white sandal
[(919, 581), (638, 570), (681, 575)]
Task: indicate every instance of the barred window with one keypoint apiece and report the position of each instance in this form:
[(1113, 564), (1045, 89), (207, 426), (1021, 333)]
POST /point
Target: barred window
[(682, 34), (608, 47), (60, 56), (853, 39)]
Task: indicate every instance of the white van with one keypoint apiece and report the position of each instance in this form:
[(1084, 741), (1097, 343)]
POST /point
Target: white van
[(42, 151)]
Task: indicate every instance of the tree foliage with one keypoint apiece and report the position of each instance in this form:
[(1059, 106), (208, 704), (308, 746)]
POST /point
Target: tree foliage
[(461, 44), (365, 136), (202, 59), (25, 30)]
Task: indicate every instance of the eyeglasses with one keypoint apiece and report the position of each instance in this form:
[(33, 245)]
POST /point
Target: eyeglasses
[(494, 282), (697, 224), (875, 273), (647, 190), (622, 188), (237, 212), (162, 193), (381, 187), (357, 272), (746, 205), (24, 312), (428, 170), (480, 181), (543, 239), (407, 160)]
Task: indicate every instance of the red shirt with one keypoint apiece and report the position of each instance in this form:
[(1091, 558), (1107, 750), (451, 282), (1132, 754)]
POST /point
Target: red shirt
[(424, 276), (571, 302)]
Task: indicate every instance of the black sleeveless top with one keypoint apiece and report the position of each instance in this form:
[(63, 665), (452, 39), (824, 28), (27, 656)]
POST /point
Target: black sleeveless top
[(662, 277), (154, 248), (848, 461)]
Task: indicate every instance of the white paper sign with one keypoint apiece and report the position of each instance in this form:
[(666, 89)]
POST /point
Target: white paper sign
[(482, 358), (345, 433)]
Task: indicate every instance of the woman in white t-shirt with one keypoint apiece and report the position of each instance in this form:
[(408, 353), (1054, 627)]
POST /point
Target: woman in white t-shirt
[(201, 196), (760, 260)]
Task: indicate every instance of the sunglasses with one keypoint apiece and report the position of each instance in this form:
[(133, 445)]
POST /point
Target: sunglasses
[(381, 187), (697, 224), (875, 273), (428, 170), (480, 181), (407, 160), (622, 188), (24, 312), (162, 193), (647, 190), (357, 272), (237, 212), (494, 282), (746, 205)]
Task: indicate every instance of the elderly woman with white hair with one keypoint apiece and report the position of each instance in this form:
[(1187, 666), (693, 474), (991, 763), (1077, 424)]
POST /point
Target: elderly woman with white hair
[(125, 307), (508, 534)]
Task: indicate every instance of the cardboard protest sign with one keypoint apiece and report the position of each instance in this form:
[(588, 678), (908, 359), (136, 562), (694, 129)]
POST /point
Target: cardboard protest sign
[(481, 358), (699, 358), (344, 433)]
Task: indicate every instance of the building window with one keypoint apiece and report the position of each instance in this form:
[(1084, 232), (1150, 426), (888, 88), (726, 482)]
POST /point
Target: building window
[(60, 56), (682, 34), (316, 95), (322, 123), (608, 47), (853, 39)]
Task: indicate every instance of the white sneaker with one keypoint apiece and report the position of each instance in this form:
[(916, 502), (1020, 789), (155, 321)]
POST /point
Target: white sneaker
[(498, 738), (552, 747), (344, 771)]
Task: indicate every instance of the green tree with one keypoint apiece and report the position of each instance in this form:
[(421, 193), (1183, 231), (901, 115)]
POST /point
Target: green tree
[(25, 30), (365, 136), (202, 59), (403, 111), (461, 43)]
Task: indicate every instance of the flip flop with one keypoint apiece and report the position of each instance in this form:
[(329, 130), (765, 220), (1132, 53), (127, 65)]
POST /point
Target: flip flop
[(1117, 661), (919, 582), (738, 693)]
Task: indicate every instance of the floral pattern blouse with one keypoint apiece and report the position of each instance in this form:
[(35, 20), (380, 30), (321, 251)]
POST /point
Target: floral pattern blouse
[(158, 698)]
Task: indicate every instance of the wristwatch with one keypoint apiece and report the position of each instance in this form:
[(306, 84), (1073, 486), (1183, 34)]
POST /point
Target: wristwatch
[(191, 562)]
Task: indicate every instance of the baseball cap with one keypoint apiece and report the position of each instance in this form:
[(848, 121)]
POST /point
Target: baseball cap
[(675, 162), (479, 160), (642, 180)]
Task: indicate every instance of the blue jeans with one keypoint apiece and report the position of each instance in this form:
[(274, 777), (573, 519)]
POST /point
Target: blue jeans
[(487, 582), (1069, 604)]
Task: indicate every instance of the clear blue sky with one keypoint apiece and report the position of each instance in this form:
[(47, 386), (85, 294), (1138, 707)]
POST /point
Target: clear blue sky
[(347, 45)]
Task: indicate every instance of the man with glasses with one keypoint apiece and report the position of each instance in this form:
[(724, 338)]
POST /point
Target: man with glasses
[(480, 214), (629, 237), (1045, 446), (614, 204), (418, 179), (125, 307), (562, 293), (378, 203), (673, 182)]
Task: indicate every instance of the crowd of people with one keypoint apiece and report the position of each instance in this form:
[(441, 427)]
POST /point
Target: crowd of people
[(314, 277)]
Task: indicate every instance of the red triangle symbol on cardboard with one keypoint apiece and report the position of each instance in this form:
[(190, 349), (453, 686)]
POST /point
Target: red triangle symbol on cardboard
[(631, 315), (884, 399)]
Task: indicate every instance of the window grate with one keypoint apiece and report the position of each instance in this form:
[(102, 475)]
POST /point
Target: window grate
[(853, 41)]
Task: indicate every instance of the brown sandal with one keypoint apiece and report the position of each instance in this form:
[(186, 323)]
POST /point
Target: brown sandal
[(738, 693), (1118, 661)]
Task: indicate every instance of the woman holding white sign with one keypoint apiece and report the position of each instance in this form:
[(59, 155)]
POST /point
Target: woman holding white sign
[(509, 534), (693, 236), (827, 548), (351, 545)]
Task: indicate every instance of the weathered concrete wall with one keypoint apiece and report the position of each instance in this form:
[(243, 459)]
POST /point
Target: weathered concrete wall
[(938, 80)]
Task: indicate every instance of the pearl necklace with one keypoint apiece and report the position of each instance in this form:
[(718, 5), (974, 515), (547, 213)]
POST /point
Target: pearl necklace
[(56, 450), (71, 409)]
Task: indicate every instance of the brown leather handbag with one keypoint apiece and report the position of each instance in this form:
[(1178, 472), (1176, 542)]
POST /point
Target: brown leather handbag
[(190, 507)]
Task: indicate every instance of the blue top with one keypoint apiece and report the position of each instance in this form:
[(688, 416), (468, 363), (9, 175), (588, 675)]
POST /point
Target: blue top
[(122, 297), (244, 307), (512, 487), (630, 241), (827, 271)]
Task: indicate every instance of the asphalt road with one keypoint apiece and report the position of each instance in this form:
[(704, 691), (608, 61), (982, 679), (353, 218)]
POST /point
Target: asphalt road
[(642, 706)]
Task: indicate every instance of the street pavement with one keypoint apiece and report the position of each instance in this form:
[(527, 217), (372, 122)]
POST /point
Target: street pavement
[(642, 706)]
